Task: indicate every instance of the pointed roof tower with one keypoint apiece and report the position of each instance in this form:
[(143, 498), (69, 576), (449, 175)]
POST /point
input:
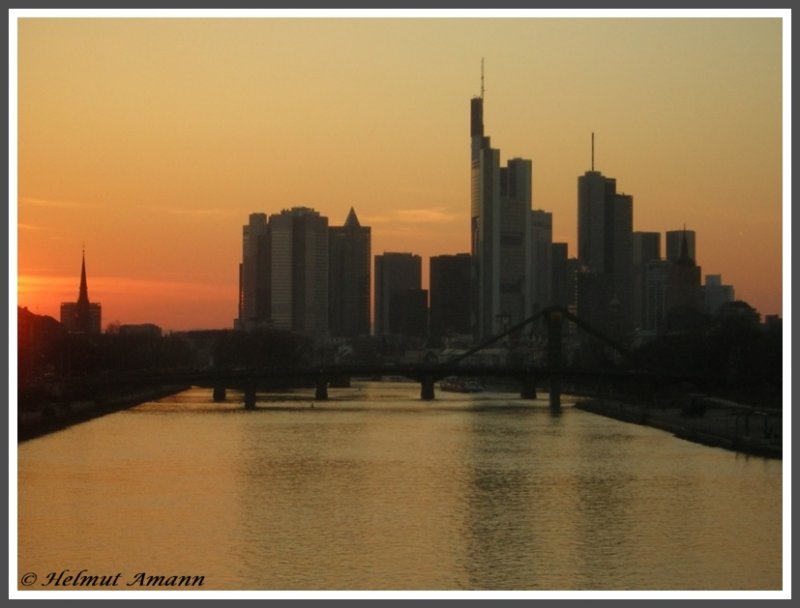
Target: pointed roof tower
[(83, 294), (352, 220), (684, 259), (83, 309)]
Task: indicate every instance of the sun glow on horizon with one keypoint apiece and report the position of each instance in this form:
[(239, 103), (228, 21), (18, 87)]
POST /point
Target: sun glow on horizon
[(152, 140)]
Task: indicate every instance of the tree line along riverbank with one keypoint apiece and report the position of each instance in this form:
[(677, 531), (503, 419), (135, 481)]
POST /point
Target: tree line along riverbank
[(53, 415), (701, 419)]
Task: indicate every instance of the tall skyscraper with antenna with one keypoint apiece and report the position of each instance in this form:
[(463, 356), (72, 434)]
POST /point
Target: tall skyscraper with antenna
[(500, 226), (605, 251)]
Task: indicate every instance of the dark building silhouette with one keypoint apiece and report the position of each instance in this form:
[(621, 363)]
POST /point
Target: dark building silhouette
[(656, 280), (393, 272), (284, 272), (40, 340), (142, 329), (449, 294), (349, 278), (564, 270), (254, 272), (82, 316), (605, 249), (541, 279), (501, 280), (595, 301), (715, 294), (646, 248), (675, 241), (408, 313), (684, 296)]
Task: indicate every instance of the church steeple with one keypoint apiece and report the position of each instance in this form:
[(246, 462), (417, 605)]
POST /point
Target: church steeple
[(83, 309), (81, 317), (83, 294)]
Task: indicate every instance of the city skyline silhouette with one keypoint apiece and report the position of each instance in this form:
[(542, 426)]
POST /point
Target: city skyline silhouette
[(156, 156)]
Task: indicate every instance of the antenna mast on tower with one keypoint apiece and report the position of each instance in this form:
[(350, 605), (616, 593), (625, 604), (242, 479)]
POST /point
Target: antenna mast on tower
[(481, 77), (592, 150)]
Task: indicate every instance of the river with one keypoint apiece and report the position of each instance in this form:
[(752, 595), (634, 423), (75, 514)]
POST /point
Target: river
[(375, 489)]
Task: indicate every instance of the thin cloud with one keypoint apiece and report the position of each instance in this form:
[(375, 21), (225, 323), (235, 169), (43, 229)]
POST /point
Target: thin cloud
[(215, 212), (436, 215), (211, 213), (31, 288), (31, 227), (46, 293), (41, 202), (111, 285)]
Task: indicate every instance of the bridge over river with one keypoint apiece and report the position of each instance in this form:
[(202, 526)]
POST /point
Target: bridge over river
[(552, 374)]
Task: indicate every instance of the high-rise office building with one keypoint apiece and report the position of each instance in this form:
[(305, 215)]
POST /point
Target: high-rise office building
[(675, 240), (394, 272), (449, 294), (595, 301), (299, 282), (254, 294), (562, 285), (500, 233), (715, 294), (408, 313), (684, 293), (656, 281), (349, 278), (541, 260), (284, 272), (646, 248), (605, 249), (82, 316)]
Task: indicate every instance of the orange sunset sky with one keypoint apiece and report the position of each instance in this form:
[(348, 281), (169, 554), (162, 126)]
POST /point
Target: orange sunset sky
[(151, 140)]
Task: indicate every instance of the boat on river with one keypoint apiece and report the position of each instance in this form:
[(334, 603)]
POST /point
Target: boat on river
[(460, 385)]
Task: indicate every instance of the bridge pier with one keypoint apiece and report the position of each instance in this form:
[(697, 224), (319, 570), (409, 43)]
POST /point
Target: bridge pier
[(555, 394), (426, 389), (250, 398), (528, 387), (554, 358), (321, 392), (219, 394)]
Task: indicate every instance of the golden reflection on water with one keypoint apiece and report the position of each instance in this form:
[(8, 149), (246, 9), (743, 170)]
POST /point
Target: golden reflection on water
[(377, 490)]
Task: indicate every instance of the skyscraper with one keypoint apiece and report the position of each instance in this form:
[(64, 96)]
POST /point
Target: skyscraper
[(394, 272), (684, 293), (541, 260), (408, 313), (562, 284), (500, 233), (349, 278), (284, 272), (646, 248), (254, 272), (449, 292), (675, 240), (656, 281), (605, 248), (81, 316), (715, 294)]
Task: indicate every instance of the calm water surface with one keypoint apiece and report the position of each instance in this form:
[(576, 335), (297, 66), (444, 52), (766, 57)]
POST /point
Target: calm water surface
[(377, 490)]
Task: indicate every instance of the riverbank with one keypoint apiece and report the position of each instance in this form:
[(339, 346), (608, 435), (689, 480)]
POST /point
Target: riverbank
[(712, 422), (56, 415)]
